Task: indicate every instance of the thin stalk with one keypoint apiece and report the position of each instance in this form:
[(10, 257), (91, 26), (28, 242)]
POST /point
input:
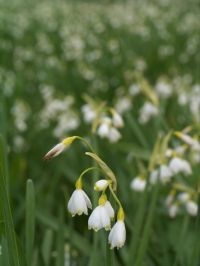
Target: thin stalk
[(5, 210), (147, 228)]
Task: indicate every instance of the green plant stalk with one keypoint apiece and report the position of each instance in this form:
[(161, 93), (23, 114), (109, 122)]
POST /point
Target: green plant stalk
[(147, 228), (137, 229), (5, 211), (60, 241), (30, 221), (184, 228)]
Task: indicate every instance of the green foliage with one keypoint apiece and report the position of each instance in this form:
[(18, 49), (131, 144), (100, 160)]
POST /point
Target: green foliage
[(52, 55)]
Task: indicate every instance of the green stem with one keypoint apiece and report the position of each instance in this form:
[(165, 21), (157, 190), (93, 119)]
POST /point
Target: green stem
[(89, 169), (115, 196), (86, 142)]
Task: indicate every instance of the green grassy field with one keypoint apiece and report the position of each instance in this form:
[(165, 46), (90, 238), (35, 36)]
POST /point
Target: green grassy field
[(124, 76)]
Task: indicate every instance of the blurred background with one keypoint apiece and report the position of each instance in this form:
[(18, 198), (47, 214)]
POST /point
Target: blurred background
[(59, 60)]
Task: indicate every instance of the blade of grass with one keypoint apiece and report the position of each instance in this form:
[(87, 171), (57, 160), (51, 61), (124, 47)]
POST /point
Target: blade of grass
[(137, 131), (78, 241), (5, 210), (137, 228), (147, 228), (60, 241), (30, 220), (47, 246)]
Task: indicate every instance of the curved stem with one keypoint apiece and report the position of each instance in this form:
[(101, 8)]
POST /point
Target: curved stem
[(115, 196), (85, 142), (87, 170)]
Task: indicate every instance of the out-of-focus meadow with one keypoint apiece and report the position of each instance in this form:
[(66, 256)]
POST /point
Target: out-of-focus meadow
[(66, 68)]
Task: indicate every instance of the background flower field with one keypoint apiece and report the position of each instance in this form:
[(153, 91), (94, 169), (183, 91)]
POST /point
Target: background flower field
[(62, 64)]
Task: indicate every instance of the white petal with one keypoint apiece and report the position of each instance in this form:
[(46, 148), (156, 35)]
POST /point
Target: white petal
[(105, 219), (94, 221), (87, 200), (117, 236), (101, 185), (109, 209)]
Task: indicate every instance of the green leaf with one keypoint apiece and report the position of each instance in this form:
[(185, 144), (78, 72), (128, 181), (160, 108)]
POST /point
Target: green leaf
[(5, 210), (47, 246), (30, 220)]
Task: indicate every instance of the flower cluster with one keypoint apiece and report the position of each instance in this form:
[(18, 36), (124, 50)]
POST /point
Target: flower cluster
[(103, 215), (171, 166), (106, 121)]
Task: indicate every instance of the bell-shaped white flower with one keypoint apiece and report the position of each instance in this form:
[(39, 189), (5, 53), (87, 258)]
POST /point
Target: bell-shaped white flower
[(165, 173), (99, 218), (138, 184), (103, 130), (109, 209), (153, 177), (117, 235), (89, 114), (117, 120), (101, 185), (192, 207), (114, 135), (79, 203), (173, 210), (178, 165), (183, 197), (101, 215)]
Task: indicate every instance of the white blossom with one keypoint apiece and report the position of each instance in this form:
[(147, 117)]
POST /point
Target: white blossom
[(173, 210), (147, 111), (163, 89), (79, 203), (165, 173), (138, 184), (114, 135), (89, 113), (101, 185), (192, 207), (183, 197), (117, 120), (100, 218), (117, 235), (178, 165)]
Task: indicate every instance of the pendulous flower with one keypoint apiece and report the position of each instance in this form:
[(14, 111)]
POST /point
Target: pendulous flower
[(101, 215), (117, 236), (79, 203)]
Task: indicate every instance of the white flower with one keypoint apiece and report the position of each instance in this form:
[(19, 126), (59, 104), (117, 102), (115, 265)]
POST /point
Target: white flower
[(101, 185), (100, 217), (169, 200), (104, 128), (178, 165), (117, 236), (89, 113), (163, 89), (79, 203), (114, 135), (165, 173), (193, 143), (183, 197), (173, 210), (192, 207), (117, 120), (109, 209), (55, 151), (153, 177), (147, 111), (138, 184)]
